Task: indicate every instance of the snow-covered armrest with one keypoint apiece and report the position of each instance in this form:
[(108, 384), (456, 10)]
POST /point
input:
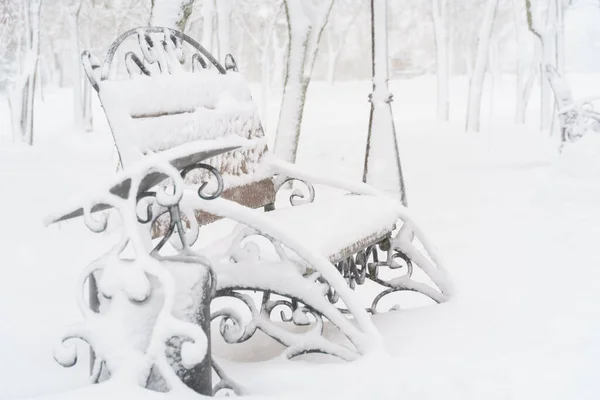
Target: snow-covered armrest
[(179, 157), (285, 170)]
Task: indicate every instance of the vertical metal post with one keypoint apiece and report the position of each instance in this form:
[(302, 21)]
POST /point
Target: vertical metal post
[(382, 167), (95, 307)]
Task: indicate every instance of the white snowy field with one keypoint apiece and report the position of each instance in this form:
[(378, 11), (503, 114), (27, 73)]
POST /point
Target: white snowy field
[(517, 225)]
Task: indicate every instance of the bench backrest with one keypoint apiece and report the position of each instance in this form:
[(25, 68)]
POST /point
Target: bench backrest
[(560, 87), (174, 92)]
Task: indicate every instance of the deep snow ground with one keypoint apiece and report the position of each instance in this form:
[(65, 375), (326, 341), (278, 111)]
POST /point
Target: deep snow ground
[(517, 225)]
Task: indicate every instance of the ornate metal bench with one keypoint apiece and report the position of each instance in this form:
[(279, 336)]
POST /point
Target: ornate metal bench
[(576, 117), (193, 151)]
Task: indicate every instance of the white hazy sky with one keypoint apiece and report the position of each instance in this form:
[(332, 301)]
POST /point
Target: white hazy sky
[(582, 36)]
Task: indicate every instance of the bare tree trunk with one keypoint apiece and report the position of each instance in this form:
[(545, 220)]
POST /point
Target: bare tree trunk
[(295, 84), (547, 40), (82, 98), (163, 13), (88, 115), (548, 58), (208, 15), (526, 72), (559, 50), (560, 37), (266, 65), (480, 67), (14, 116), (492, 68), (57, 70), (382, 167), (524, 94), (440, 25), (330, 57), (23, 93), (305, 25), (224, 8), (264, 88), (40, 81), (77, 75), (519, 69), (279, 57), (469, 62)]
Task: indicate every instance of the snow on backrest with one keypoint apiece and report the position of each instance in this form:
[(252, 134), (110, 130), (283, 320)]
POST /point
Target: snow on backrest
[(155, 113), (172, 96), (560, 87)]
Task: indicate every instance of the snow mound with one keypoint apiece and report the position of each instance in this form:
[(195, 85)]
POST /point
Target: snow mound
[(581, 159)]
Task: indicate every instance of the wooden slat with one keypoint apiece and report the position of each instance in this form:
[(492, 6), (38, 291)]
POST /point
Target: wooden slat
[(254, 195)]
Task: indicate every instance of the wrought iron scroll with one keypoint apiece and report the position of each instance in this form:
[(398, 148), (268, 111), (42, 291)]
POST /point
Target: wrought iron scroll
[(297, 300), (176, 221), (127, 284), (399, 256), (298, 197), (367, 264), (159, 46), (162, 46)]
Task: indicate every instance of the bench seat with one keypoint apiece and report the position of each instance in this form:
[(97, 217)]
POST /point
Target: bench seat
[(340, 226)]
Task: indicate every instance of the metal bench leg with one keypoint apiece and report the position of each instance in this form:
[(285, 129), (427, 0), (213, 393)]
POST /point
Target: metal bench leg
[(199, 378)]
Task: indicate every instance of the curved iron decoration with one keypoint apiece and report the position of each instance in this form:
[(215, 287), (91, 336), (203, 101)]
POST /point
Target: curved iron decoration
[(130, 55), (144, 31), (146, 271), (225, 383), (174, 211), (198, 62), (233, 330), (302, 302), (230, 64), (152, 53), (90, 63), (149, 213), (212, 170), (297, 197), (366, 265)]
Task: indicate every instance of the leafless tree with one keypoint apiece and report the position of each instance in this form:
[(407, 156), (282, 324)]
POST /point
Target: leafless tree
[(306, 21)]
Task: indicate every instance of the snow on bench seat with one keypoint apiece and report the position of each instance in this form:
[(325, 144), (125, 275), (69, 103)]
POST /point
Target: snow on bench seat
[(340, 226)]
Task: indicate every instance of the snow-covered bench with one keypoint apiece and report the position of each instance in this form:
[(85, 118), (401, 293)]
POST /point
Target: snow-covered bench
[(189, 124), (576, 117)]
